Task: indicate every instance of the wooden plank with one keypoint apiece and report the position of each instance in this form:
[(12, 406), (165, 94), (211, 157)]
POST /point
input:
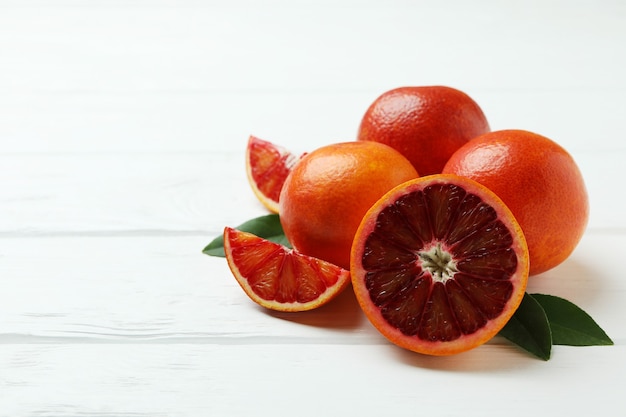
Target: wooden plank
[(123, 289), (310, 380), (189, 192), (218, 121), (70, 46), (125, 193), (188, 76), (162, 289)]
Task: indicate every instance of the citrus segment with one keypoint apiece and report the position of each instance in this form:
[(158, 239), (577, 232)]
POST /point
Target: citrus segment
[(280, 278), (267, 167), (439, 265)]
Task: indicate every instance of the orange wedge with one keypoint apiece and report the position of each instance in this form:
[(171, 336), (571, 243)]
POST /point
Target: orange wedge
[(267, 167), (279, 278)]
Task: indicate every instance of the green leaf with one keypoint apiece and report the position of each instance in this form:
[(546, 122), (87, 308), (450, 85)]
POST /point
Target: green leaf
[(529, 328), (570, 325), (267, 227)]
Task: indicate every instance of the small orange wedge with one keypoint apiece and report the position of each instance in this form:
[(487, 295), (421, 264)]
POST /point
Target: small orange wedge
[(279, 278), (267, 167)]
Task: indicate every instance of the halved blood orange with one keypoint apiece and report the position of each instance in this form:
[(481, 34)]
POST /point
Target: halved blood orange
[(267, 167), (439, 265), (280, 278)]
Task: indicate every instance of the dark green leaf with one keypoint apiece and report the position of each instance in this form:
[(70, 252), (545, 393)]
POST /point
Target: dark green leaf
[(267, 227), (529, 328), (570, 324), (215, 248)]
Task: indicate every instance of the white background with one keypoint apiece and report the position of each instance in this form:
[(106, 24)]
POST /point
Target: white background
[(123, 127)]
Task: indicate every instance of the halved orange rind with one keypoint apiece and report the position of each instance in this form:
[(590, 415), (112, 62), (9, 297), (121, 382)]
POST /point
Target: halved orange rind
[(267, 167), (279, 278), (439, 265)]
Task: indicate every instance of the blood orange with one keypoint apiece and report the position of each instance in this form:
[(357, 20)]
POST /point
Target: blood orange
[(439, 265), (279, 278), (426, 124), (328, 192), (267, 167), (539, 181)]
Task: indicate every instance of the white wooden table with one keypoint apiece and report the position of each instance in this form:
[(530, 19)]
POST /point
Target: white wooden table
[(122, 131)]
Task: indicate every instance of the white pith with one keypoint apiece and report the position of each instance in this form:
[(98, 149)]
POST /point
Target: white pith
[(438, 262)]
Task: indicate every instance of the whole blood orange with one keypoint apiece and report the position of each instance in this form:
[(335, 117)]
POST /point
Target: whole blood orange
[(425, 124), (279, 278), (439, 265), (329, 191), (267, 167), (539, 181)]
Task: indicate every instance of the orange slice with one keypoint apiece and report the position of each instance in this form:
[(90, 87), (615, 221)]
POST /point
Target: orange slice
[(279, 278), (267, 167), (439, 265)]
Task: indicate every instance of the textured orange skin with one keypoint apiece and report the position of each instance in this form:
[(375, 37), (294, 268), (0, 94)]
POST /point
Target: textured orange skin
[(425, 124), (326, 195), (541, 184)]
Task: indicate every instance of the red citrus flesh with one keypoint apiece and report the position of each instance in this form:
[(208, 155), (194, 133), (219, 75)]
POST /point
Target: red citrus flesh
[(439, 265), (267, 167), (280, 278)]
